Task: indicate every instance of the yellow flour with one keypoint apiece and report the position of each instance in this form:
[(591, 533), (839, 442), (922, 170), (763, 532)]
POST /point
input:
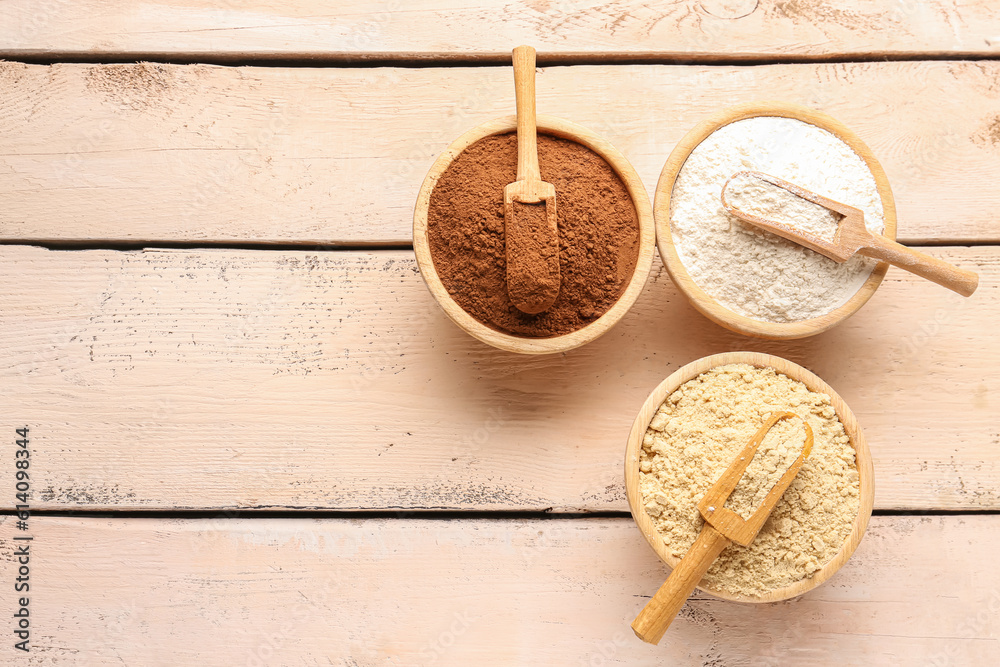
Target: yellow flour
[(694, 437)]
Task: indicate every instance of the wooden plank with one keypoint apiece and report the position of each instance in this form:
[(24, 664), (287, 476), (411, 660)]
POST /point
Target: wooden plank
[(358, 29), (240, 378), (293, 155), (477, 592)]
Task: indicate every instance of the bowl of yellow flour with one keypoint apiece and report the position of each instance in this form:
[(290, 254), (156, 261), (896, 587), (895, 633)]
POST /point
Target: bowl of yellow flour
[(692, 427)]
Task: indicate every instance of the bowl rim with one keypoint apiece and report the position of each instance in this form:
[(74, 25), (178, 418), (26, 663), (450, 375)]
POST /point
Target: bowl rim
[(511, 343), (866, 495), (699, 298)]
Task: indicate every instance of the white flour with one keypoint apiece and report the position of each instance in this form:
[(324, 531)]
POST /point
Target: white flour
[(753, 272)]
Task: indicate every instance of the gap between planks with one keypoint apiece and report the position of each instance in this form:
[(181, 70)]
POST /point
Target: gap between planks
[(412, 513), (439, 59), (277, 246)]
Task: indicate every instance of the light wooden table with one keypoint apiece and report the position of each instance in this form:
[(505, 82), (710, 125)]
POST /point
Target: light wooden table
[(256, 440)]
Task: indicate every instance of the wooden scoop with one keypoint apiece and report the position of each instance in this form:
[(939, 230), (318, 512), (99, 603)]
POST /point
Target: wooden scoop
[(722, 527), (531, 231), (853, 237)]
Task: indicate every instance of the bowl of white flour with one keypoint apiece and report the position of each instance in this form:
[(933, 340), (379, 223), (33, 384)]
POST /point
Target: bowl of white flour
[(742, 277)]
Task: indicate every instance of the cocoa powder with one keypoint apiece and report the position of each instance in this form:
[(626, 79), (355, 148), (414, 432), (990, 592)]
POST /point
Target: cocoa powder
[(598, 234)]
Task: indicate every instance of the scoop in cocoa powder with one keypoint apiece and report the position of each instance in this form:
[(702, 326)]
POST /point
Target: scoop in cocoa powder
[(532, 257), (598, 234)]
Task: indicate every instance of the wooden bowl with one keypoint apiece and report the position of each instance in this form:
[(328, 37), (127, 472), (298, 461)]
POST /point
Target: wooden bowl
[(698, 297), (795, 372), (512, 343)]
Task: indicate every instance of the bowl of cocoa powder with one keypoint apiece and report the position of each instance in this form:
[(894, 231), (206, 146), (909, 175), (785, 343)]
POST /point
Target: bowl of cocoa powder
[(689, 431), (606, 235)]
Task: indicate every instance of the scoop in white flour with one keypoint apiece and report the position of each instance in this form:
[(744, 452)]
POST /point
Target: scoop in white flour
[(753, 195)]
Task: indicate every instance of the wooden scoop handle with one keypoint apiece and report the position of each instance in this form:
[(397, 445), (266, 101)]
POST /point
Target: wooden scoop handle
[(659, 612), (531, 226), (524, 92), (944, 274)]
